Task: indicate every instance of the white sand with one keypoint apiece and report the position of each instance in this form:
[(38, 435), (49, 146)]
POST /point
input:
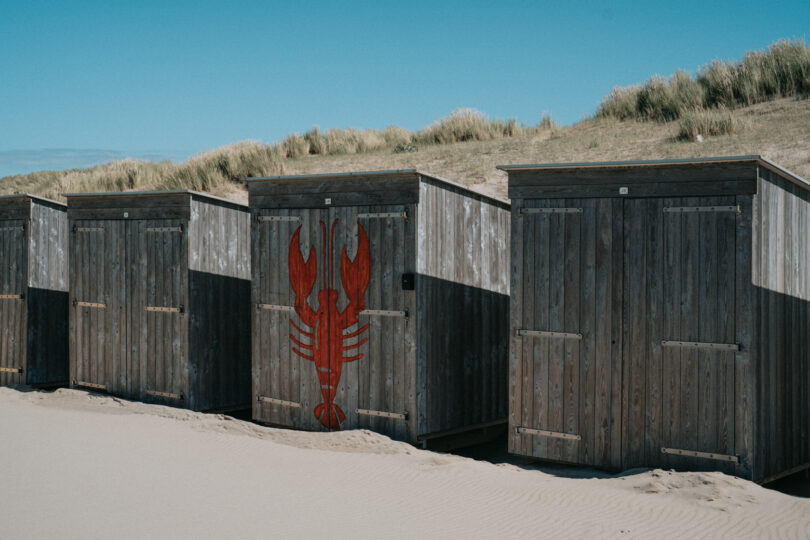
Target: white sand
[(74, 465)]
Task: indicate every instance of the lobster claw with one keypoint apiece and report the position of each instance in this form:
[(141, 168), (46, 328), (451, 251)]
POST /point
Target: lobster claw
[(356, 274), (302, 273)]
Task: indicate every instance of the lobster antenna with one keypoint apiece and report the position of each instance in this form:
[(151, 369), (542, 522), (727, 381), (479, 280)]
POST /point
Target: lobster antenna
[(332, 256)]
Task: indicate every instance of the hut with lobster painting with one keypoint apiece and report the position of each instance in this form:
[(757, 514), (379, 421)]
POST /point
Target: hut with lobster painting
[(380, 302), (159, 290)]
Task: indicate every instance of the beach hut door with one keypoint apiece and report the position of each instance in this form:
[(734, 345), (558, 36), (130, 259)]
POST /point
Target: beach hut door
[(13, 267), (164, 309)]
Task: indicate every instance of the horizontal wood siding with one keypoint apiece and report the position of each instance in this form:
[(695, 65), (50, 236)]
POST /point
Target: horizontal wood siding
[(462, 289), (15, 208), (354, 190), (662, 180), (782, 287)]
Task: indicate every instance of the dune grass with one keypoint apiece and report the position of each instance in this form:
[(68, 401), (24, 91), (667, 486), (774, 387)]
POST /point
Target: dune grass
[(782, 70), (213, 171), (218, 170), (693, 125)]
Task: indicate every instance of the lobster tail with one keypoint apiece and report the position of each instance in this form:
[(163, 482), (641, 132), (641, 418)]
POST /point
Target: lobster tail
[(330, 415)]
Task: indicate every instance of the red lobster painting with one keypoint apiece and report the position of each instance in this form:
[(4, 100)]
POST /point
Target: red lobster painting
[(327, 324)]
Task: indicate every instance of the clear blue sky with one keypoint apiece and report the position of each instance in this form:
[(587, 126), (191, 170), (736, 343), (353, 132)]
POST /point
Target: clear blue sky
[(85, 82)]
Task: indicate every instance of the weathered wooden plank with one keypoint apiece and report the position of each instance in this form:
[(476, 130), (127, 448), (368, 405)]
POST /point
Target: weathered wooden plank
[(336, 198), (587, 311), (617, 332), (327, 183), (572, 323), (516, 310), (127, 201), (557, 352), (181, 212), (654, 321), (633, 175), (671, 356), (635, 318), (535, 387), (410, 346), (690, 331), (602, 322), (726, 327)]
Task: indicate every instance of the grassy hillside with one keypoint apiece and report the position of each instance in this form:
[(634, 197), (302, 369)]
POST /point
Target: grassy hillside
[(758, 105), (779, 130)]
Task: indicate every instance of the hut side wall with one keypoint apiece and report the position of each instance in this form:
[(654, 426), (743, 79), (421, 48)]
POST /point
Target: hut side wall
[(47, 297), (219, 305), (781, 277), (463, 305)]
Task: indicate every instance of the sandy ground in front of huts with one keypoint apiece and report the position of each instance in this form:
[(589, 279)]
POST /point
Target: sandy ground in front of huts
[(76, 465)]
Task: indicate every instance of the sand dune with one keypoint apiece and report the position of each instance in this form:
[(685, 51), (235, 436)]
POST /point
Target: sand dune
[(76, 465)]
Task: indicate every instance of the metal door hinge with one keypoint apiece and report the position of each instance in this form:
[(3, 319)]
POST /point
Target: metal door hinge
[(384, 313), (542, 333), (274, 307), (545, 211), (276, 401), (702, 209), (168, 395), (701, 345), (10, 370), (161, 309), (261, 219), (704, 455), (384, 215), (164, 229), (383, 414), (547, 433)]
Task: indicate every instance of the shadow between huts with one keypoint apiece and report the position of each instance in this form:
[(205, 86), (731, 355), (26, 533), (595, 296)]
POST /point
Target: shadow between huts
[(495, 452)]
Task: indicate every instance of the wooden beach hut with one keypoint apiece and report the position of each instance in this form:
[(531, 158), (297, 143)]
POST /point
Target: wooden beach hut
[(661, 315), (33, 291), (160, 292), (380, 301)]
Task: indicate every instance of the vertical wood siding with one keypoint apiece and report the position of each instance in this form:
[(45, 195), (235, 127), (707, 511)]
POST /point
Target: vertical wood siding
[(626, 276), (681, 288), (33, 265), (13, 311), (569, 281), (48, 239), (219, 305), (782, 280), (47, 297), (462, 289), (143, 325), (384, 379)]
